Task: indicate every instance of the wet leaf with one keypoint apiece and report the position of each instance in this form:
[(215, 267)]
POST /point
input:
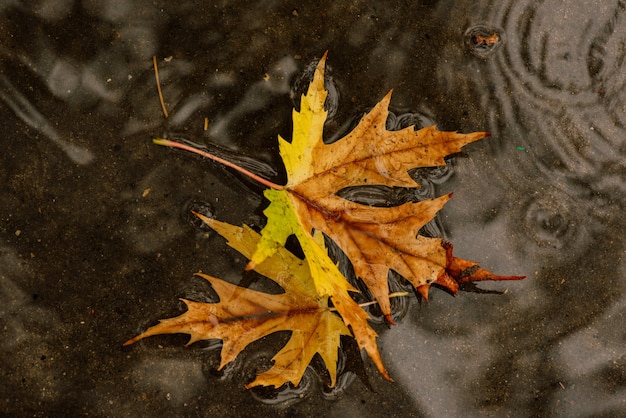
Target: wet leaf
[(375, 239), (243, 315)]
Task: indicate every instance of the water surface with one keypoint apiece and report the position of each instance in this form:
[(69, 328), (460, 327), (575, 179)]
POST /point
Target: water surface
[(97, 243)]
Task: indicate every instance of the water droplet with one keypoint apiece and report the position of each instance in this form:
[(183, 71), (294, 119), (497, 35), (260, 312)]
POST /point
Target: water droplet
[(560, 220), (548, 224)]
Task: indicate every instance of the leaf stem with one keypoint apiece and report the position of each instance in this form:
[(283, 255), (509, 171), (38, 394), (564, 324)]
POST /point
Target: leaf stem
[(174, 144), (391, 295)]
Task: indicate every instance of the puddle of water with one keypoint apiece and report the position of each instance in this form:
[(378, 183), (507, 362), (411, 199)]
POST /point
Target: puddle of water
[(95, 217)]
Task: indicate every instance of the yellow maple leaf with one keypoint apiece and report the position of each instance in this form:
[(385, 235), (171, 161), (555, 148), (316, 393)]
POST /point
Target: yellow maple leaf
[(244, 315), (375, 239)]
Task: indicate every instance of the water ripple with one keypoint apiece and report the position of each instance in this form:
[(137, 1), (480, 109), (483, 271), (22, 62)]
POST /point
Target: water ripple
[(558, 83)]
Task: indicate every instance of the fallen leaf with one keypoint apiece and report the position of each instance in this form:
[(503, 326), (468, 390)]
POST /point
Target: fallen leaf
[(375, 239), (243, 315)]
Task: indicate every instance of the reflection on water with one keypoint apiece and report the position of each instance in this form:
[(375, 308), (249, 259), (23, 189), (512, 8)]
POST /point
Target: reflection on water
[(553, 96), (560, 82), (31, 116), (106, 241)]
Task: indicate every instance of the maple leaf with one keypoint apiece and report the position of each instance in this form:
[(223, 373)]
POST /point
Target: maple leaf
[(244, 315), (375, 239)]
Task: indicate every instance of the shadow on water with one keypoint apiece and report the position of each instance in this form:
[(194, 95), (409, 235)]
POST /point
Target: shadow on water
[(97, 243)]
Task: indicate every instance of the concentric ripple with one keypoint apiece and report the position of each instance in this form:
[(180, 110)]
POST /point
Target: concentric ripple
[(559, 82)]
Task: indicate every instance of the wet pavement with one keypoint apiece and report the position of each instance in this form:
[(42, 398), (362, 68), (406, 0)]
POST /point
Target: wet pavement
[(97, 243)]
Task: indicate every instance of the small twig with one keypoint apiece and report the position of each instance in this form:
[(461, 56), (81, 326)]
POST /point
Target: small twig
[(173, 144), (158, 83), (391, 295)]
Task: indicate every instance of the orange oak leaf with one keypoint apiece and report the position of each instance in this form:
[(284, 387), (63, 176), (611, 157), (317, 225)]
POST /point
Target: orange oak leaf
[(243, 315)]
